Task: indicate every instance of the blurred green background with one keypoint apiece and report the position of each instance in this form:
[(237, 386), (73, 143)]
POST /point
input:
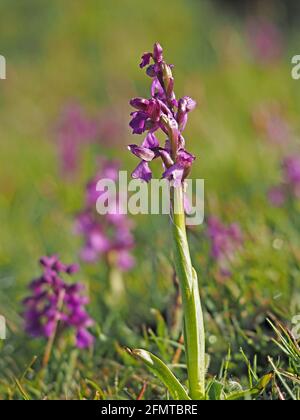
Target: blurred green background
[(88, 52)]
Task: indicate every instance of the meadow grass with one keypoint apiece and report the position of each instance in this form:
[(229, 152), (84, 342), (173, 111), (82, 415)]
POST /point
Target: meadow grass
[(89, 53)]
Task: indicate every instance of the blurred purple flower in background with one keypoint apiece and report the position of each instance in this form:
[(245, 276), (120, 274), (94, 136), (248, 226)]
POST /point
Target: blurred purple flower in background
[(53, 304), (270, 121), (265, 39), (276, 196), (161, 112), (112, 128), (225, 242), (291, 171), (290, 185), (106, 236), (74, 130)]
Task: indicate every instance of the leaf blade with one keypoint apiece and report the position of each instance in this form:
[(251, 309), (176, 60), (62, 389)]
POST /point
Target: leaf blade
[(161, 370)]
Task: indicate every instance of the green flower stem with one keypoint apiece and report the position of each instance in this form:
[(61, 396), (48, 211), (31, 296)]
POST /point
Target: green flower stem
[(192, 311), (116, 281), (117, 288), (51, 339)]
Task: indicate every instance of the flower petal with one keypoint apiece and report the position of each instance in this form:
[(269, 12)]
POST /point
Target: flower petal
[(142, 152), (143, 172), (146, 57), (176, 173), (150, 141), (138, 122)]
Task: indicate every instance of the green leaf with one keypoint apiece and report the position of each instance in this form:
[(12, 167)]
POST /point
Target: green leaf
[(253, 392), (156, 366), (264, 382), (215, 391)]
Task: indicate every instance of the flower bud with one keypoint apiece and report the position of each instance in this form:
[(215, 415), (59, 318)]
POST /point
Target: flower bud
[(167, 79), (172, 127), (157, 53)]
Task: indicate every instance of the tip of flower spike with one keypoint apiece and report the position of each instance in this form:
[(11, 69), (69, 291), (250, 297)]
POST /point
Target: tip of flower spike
[(161, 112), (53, 263), (72, 269), (157, 56), (146, 57), (157, 52), (48, 262)]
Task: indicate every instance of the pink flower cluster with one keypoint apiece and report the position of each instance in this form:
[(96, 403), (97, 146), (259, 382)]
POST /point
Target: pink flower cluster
[(290, 185), (107, 236), (53, 304), (74, 130), (225, 242)]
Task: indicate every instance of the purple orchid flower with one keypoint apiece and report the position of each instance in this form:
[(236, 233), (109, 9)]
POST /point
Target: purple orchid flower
[(290, 185), (74, 130), (225, 242), (265, 39), (161, 112), (271, 122), (53, 302), (276, 196), (291, 170), (105, 235)]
